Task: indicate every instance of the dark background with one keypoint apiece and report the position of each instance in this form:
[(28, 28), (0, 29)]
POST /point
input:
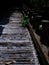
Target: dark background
[(7, 5)]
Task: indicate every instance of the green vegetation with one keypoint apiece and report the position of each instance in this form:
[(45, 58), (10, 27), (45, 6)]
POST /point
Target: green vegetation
[(25, 21)]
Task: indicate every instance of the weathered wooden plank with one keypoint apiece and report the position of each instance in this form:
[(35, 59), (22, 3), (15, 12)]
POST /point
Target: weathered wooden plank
[(13, 41), (14, 37), (10, 31), (16, 44)]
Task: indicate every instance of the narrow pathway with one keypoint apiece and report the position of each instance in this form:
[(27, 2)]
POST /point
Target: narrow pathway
[(16, 46)]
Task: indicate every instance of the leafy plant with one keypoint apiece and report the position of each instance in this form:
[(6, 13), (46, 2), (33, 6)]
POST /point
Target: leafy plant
[(25, 21)]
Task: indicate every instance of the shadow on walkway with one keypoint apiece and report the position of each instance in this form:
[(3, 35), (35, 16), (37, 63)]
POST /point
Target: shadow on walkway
[(4, 21)]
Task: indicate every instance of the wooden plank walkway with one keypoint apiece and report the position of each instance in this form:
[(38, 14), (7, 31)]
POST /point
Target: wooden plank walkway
[(16, 46)]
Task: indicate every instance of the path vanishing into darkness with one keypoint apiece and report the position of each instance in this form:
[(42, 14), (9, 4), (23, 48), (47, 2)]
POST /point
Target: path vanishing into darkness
[(16, 46)]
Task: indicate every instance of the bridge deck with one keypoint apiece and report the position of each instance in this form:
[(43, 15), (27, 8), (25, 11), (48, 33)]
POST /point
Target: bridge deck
[(16, 46)]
